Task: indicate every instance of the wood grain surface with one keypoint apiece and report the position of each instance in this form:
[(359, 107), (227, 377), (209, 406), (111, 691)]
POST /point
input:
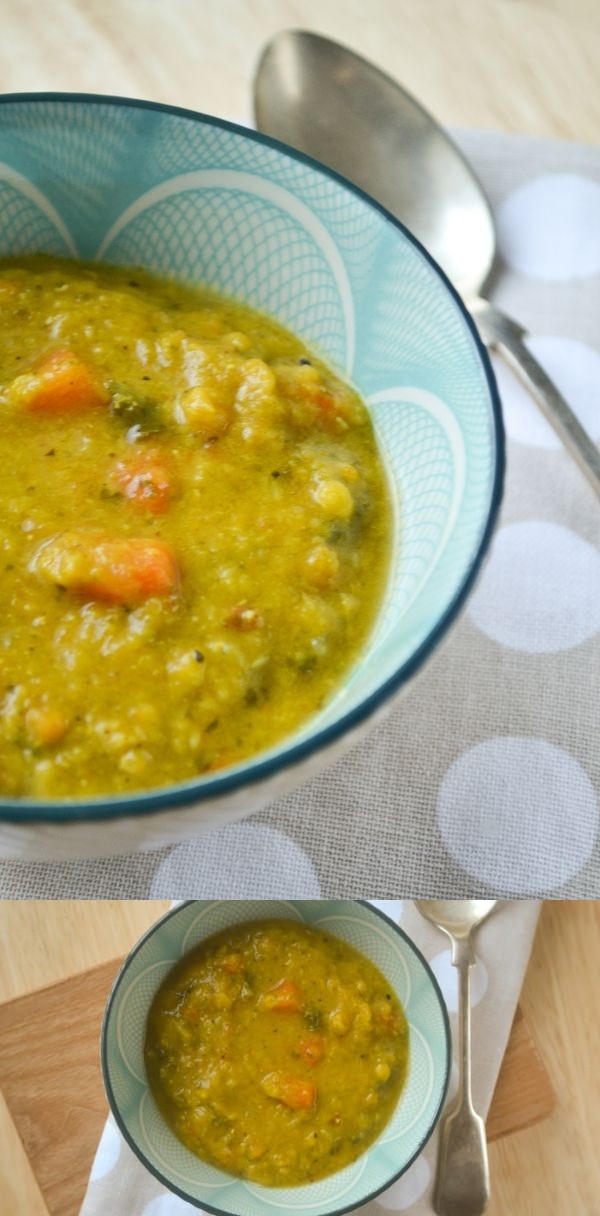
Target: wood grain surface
[(513, 65), (51, 1083), (554, 1169), (42, 943)]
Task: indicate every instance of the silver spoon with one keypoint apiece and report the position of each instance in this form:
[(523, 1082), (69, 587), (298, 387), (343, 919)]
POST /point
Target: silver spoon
[(463, 1180), (327, 101)]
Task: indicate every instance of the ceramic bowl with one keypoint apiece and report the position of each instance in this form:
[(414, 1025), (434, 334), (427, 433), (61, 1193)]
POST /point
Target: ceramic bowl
[(211, 1189), (205, 201)]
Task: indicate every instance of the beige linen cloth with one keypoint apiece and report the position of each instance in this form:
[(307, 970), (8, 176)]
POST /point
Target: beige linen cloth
[(120, 1186), (485, 779)]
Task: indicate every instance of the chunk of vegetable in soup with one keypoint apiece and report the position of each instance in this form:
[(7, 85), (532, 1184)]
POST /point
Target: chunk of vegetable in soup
[(277, 1052), (194, 530)]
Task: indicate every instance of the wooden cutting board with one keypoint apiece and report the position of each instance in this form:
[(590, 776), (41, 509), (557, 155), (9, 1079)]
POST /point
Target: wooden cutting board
[(50, 1080)]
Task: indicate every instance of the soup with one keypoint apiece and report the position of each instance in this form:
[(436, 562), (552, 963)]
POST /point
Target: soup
[(277, 1052), (194, 530)]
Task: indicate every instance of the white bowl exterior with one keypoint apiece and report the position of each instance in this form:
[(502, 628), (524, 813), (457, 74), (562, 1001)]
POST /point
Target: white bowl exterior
[(174, 824)]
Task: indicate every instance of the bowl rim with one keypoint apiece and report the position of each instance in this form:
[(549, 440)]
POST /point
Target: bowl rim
[(215, 1211), (202, 788)]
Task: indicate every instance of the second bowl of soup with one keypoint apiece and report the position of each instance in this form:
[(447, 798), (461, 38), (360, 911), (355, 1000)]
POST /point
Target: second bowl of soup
[(287, 1054)]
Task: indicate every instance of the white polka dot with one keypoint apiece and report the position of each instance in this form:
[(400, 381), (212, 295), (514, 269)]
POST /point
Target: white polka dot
[(393, 908), (170, 1205), (447, 978), (574, 368), (540, 591), (550, 227), (408, 1189), (238, 861), (109, 1151), (518, 814)]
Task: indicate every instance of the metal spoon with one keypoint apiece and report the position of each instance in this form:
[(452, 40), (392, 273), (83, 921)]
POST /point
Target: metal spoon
[(327, 101), (463, 1181)]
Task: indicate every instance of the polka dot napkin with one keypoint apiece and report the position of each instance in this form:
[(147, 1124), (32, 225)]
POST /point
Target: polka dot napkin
[(120, 1186), (486, 777)]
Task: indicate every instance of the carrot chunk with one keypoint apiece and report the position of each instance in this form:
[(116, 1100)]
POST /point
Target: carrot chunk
[(147, 481), (291, 1090), (98, 566), (60, 384), (312, 1049), (283, 998), (324, 400), (45, 725)]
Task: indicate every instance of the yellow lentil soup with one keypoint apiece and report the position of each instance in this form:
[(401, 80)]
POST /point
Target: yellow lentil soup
[(276, 1052), (194, 530)]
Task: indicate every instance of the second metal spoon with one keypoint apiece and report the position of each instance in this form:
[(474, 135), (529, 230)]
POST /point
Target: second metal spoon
[(327, 101), (463, 1182)]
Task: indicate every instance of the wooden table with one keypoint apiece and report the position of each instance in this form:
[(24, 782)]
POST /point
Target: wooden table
[(513, 65), (550, 1170)]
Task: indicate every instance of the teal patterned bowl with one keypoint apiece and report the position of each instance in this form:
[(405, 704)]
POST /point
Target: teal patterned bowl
[(142, 1125), (203, 200)]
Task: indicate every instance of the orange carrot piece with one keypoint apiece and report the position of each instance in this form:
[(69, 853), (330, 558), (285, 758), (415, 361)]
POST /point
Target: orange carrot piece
[(60, 384), (147, 481), (312, 1049), (319, 407), (283, 998), (190, 1013), (324, 400), (45, 725), (255, 1150), (98, 566), (291, 1090)]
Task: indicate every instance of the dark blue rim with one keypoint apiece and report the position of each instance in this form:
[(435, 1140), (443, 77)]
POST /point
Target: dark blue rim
[(170, 797), (223, 1211)]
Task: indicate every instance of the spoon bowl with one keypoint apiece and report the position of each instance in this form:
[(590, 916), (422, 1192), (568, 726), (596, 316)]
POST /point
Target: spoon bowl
[(363, 125), (457, 917), (328, 102)]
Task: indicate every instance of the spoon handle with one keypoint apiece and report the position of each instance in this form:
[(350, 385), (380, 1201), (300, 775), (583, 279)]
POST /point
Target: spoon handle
[(504, 335), (462, 1183)]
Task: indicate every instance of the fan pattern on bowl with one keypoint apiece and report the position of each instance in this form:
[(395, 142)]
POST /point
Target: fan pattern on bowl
[(24, 224), (211, 235), (351, 228), (418, 439), (205, 202), (411, 1123), (210, 919)]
